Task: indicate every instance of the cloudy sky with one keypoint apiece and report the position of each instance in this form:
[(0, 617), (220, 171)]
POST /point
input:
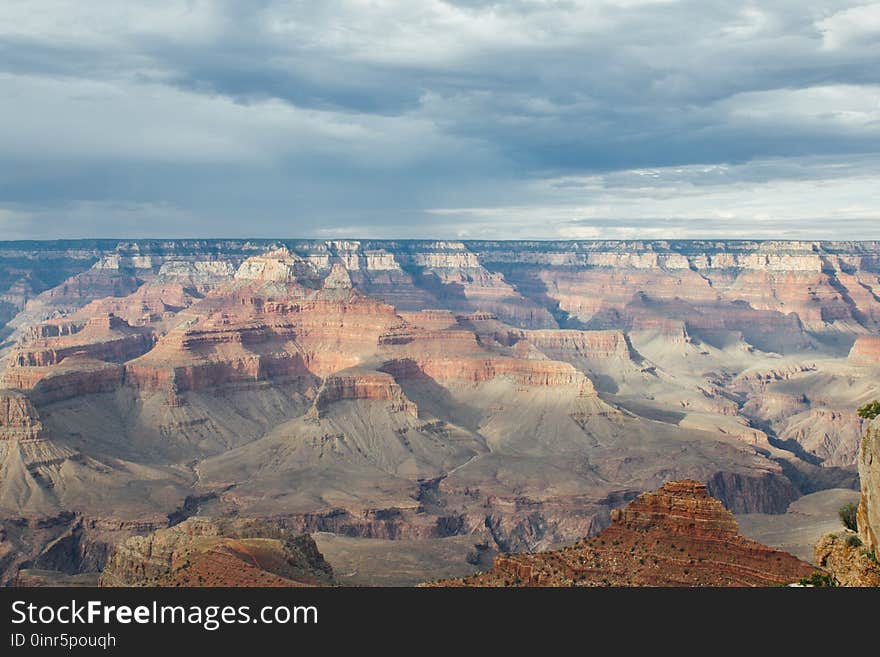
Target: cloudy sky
[(428, 118)]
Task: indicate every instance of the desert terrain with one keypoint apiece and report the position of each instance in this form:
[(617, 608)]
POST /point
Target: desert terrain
[(417, 406)]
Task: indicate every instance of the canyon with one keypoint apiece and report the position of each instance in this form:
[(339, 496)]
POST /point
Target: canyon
[(512, 395)]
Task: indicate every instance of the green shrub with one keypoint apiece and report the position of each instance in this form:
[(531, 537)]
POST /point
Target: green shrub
[(818, 579), (870, 410), (847, 515), (854, 541)]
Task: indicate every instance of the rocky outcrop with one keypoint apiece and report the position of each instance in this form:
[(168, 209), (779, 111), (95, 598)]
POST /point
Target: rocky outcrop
[(868, 517), (611, 344), (370, 385), (676, 536), (245, 337), (845, 558), (19, 419), (218, 552), (105, 337), (279, 265), (542, 373), (338, 279), (866, 350)]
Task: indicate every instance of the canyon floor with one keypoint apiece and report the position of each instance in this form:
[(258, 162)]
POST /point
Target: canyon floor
[(407, 402)]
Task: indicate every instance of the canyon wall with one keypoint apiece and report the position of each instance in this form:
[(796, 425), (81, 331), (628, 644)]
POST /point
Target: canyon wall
[(516, 391)]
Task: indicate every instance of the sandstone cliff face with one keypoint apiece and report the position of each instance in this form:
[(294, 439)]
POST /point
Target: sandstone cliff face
[(675, 536), (869, 473), (218, 552)]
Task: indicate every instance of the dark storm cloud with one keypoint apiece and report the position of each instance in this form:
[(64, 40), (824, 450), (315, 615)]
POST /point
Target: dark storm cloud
[(397, 117)]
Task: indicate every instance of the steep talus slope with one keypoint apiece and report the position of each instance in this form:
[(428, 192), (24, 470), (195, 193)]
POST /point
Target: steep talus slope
[(675, 536)]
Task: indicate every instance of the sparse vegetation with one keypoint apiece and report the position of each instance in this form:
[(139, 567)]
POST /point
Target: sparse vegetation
[(847, 515), (870, 410), (854, 541), (818, 579)]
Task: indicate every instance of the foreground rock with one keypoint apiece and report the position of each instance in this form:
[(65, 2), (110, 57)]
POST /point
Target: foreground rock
[(869, 472), (847, 561), (675, 536), (218, 552)]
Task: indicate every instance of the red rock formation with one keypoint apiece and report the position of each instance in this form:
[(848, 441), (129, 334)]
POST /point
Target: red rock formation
[(359, 384), (103, 337), (866, 350), (75, 378), (675, 536), (150, 304), (479, 370), (435, 320), (589, 344), (248, 336)]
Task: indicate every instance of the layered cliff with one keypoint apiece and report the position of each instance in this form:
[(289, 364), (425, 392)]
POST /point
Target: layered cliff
[(102, 337), (361, 384), (675, 536)]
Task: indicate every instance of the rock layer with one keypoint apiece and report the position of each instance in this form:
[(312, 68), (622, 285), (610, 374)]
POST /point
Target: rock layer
[(675, 536)]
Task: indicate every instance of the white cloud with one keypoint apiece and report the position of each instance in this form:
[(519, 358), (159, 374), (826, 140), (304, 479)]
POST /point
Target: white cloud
[(853, 25), (820, 198), (853, 108)]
